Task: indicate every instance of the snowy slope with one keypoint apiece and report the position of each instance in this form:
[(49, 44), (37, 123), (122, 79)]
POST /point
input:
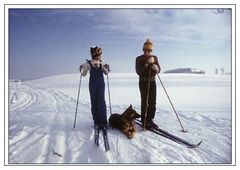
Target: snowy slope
[(41, 114)]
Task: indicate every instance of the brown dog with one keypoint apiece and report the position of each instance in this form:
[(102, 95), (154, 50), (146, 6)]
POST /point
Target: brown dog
[(125, 122)]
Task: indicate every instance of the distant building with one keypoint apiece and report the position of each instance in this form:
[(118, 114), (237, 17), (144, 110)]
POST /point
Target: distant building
[(185, 70)]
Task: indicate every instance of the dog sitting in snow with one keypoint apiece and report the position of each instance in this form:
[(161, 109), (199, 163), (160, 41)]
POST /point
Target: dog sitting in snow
[(125, 122)]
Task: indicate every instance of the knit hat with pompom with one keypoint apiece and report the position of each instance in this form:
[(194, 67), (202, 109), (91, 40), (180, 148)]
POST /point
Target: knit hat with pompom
[(148, 45)]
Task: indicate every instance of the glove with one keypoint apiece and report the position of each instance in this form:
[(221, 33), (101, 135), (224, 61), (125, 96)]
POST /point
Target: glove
[(106, 69), (106, 66), (81, 68), (155, 68), (150, 60)]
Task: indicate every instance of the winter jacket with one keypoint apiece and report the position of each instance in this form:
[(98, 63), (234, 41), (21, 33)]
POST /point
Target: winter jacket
[(84, 68), (142, 67)]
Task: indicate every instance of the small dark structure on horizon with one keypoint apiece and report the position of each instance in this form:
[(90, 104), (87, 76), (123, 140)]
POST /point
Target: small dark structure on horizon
[(185, 70)]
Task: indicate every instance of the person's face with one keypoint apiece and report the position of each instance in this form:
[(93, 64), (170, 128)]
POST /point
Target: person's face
[(147, 52)]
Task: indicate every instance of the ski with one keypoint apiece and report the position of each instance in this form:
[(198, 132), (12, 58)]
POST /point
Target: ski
[(96, 135), (105, 138), (177, 139), (171, 136)]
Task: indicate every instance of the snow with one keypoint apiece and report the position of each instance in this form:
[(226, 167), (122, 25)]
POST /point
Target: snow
[(41, 115)]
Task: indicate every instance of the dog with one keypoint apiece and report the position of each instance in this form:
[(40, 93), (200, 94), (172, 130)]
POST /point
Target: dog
[(125, 122)]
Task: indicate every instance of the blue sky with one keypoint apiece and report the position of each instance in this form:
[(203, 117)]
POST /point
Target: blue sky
[(45, 42)]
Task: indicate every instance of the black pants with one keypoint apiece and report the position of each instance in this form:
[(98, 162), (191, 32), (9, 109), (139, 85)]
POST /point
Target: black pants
[(143, 86)]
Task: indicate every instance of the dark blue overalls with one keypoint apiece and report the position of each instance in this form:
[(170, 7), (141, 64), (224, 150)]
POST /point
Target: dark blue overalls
[(97, 95)]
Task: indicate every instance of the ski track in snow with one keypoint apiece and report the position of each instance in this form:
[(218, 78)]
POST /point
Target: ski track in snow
[(41, 131)]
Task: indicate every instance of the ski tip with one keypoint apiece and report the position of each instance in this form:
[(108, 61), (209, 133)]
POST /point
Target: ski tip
[(199, 143), (194, 146)]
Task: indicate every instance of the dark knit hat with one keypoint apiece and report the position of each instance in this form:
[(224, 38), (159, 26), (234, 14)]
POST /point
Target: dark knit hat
[(95, 51)]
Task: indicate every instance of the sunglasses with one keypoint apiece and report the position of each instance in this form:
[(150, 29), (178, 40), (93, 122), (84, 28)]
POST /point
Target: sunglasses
[(148, 51)]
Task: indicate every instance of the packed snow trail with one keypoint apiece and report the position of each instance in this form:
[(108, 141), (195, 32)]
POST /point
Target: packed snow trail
[(41, 130)]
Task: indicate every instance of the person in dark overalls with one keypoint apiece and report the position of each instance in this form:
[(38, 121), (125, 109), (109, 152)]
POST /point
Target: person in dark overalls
[(97, 68)]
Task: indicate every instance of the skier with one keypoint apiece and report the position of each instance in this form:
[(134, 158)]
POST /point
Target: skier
[(97, 68), (147, 64)]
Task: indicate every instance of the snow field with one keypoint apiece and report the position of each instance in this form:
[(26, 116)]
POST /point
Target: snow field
[(41, 114)]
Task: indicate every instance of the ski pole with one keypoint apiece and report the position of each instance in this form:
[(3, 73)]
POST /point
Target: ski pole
[(183, 130), (110, 105), (147, 104), (77, 100)]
